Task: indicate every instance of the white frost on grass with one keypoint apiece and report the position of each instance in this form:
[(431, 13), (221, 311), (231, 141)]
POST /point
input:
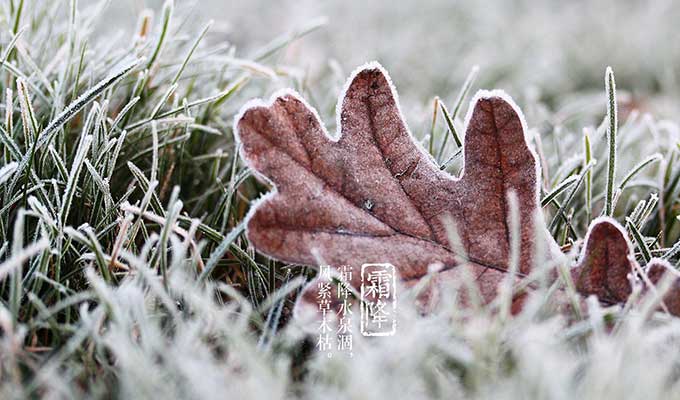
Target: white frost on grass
[(7, 171)]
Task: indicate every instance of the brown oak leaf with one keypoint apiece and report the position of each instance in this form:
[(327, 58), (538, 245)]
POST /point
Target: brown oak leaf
[(607, 267), (606, 262), (372, 194), (656, 270)]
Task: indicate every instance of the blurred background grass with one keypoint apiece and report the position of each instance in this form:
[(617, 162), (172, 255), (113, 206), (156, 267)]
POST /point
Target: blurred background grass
[(546, 48)]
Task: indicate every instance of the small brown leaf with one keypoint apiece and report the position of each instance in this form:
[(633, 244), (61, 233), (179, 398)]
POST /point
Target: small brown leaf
[(607, 267), (606, 262), (656, 270), (372, 194)]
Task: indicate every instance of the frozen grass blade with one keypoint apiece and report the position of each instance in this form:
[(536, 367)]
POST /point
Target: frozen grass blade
[(79, 103), (448, 161), (73, 177), (561, 212), (638, 168), (221, 250), (6, 171), (124, 112), (647, 210), (154, 152), (433, 125), (12, 43), (451, 131), (163, 100), (587, 158), (59, 163), (216, 100), (506, 290), (30, 127), (160, 257), (284, 40), (15, 290), (167, 16), (191, 52), (94, 245), (147, 187), (672, 252), (564, 185), (639, 240), (16, 261), (456, 109), (612, 116), (101, 184)]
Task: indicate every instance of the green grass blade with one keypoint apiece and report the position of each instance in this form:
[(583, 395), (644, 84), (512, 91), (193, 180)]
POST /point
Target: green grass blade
[(612, 116)]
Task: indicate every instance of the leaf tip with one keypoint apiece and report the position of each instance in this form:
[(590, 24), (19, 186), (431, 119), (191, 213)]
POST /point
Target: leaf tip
[(251, 107), (371, 74), (497, 97), (605, 226)]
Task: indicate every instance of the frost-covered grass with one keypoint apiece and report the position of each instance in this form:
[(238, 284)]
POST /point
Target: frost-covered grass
[(124, 271)]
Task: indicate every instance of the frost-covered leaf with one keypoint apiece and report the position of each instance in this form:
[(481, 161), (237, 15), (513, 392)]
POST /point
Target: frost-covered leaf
[(372, 194), (605, 263), (656, 271), (607, 267)]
